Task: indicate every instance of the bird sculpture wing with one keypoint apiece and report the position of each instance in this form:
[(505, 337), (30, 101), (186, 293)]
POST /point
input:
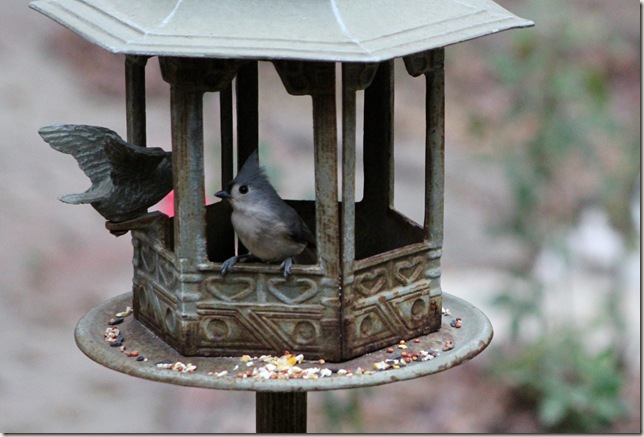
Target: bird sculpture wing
[(103, 156), (86, 145), (131, 162)]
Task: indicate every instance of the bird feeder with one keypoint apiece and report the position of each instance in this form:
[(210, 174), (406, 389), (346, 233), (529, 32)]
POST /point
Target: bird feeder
[(376, 275)]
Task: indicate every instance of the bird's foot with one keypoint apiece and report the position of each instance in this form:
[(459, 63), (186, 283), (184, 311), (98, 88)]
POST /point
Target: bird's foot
[(227, 266), (286, 266)]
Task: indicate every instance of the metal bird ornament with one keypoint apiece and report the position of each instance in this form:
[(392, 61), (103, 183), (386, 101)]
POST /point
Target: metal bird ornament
[(126, 179), (271, 230)]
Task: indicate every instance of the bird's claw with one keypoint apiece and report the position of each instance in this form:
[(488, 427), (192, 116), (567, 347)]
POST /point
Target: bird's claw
[(227, 266), (286, 266)]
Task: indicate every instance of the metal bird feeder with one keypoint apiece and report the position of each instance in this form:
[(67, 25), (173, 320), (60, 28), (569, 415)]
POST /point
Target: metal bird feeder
[(376, 277)]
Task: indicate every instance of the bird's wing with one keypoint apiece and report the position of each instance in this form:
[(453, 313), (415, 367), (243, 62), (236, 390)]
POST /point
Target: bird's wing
[(85, 144), (299, 231), (129, 161)]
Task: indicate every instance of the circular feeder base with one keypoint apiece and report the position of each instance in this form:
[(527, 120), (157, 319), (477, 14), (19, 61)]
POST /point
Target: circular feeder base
[(223, 373)]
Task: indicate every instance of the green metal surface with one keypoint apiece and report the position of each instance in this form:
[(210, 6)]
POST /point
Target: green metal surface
[(375, 276), (470, 340), (325, 30)]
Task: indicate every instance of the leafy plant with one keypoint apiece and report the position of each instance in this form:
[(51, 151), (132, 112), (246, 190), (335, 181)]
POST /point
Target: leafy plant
[(571, 389), (564, 150)]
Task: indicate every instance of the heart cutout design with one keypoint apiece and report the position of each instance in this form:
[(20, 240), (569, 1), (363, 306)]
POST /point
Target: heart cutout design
[(371, 282), (233, 289), (408, 271), (292, 291)]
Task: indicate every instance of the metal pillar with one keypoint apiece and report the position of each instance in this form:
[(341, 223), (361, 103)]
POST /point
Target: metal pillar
[(281, 412)]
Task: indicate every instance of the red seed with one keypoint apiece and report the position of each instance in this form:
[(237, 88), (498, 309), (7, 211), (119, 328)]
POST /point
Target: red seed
[(407, 360), (390, 350), (416, 340)]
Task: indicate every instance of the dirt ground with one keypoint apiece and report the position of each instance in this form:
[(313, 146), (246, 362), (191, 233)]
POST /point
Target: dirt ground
[(58, 261)]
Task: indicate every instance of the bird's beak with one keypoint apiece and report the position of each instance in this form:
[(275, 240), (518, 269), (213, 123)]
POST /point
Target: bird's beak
[(223, 194)]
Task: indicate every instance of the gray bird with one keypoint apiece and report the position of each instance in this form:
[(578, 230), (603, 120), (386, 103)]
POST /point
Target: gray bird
[(271, 230), (126, 179)]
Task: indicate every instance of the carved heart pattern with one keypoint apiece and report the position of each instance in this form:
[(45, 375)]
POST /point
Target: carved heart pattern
[(408, 271), (302, 289), (147, 258), (233, 289), (371, 282), (167, 275)]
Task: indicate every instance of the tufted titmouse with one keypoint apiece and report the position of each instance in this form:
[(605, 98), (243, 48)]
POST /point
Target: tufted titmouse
[(270, 229)]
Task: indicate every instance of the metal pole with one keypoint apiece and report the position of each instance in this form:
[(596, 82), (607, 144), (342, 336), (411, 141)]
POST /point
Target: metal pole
[(135, 98), (281, 412)]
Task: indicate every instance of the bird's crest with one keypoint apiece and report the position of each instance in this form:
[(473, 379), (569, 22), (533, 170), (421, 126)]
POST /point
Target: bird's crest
[(252, 174)]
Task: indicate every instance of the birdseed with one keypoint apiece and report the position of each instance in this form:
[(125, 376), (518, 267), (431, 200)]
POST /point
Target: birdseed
[(127, 312)]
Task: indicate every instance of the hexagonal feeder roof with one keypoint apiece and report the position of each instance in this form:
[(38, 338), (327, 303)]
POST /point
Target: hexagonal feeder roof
[(326, 30)]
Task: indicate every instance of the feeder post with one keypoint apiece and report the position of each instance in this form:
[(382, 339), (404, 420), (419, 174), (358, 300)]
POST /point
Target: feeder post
[(135, 99), (435, 148), (189, 79), (431, 63), (280, 412), (187, 145)]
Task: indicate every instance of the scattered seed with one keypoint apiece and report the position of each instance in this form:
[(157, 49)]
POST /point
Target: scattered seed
[(116, 321), (127, 312), (449, 345), (342, 372), (381, 365), (140, 358), (390, 350), (321, 361), (416, 340), (402, 342)]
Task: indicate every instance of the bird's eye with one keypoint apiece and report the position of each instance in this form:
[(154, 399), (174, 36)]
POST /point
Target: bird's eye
[(243, 189)]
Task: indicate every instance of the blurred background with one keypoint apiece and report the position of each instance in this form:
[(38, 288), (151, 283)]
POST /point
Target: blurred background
[(542, 231)]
